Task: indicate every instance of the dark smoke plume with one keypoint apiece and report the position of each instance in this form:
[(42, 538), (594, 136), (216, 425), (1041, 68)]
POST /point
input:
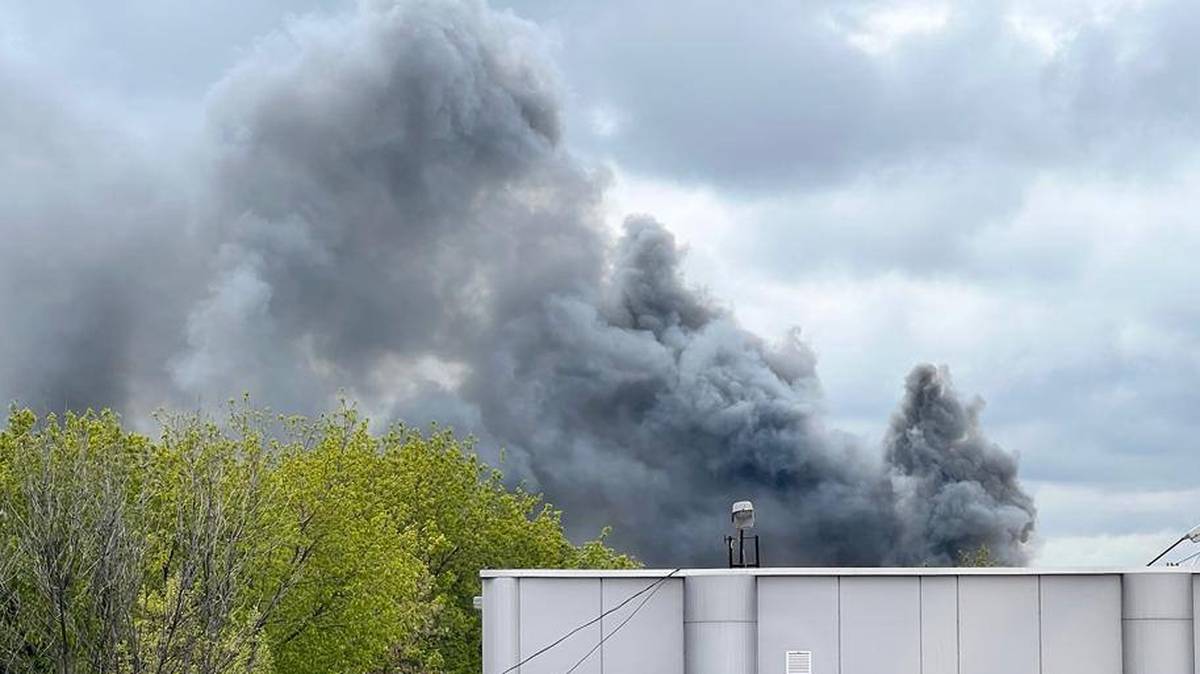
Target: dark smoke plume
[(960, 491), (381, 205)]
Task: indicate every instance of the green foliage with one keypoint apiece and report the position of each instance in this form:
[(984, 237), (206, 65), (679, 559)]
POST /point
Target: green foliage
[(977, 557), (261, 545)]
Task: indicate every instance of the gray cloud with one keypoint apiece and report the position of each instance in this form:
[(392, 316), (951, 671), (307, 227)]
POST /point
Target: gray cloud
[(753, 97), (91, 229), (1014, 197), (382, 204)]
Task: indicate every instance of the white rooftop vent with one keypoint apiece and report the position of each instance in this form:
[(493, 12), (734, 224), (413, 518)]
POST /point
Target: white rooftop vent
[(798, 662), (742, 515)]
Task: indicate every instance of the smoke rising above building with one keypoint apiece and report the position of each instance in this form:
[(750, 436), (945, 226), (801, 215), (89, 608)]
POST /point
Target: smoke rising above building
[(382, 205)]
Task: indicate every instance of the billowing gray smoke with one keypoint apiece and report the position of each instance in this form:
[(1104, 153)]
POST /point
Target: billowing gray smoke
[(382, 207), (959, 491)]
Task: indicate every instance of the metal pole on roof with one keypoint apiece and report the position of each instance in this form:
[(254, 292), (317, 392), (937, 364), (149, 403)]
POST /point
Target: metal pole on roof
[(1193, 536)]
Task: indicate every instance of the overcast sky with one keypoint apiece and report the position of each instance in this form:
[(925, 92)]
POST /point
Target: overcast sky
[(1005, 187)]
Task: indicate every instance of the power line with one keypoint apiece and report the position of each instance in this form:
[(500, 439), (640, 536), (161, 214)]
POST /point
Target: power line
[(616, 629), (593, 621), (1187, 559)]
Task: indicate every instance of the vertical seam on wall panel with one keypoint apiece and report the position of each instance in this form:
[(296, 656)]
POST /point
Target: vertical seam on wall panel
[(1121, 616), (921, 624), (517, 589), (1040, 655), (602, 626), (754, 631), (839, 624), (1191, 607), (958, 624)]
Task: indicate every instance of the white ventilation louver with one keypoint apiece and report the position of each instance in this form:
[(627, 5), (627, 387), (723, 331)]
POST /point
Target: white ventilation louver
[(798, 662)]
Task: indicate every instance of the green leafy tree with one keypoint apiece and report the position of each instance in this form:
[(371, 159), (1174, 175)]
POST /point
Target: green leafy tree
[(260, 544), (72, 501), (360, 595), (977, 557), (463, 519)]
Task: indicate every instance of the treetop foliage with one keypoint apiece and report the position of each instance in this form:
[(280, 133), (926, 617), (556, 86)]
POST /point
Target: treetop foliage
[(259, 544)]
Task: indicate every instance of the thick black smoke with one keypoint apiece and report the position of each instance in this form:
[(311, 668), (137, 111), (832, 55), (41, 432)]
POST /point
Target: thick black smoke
[(382, 206)]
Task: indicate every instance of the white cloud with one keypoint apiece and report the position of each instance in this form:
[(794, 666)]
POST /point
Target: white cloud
[(1085, 525), (606, 121), (1103, 550), (885, 25)]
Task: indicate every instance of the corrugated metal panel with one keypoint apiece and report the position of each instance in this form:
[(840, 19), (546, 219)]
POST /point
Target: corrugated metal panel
[(998, 625), (652, 639)]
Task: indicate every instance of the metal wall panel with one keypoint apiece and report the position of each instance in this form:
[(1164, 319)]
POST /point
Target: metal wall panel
[(1081, 624), (1158, 647), (1156, 623), (551, 607), (1156, 596), (720, 598), (1195, 624), (880, 625), (939, 625), (719, 631), (501, 634), (998, 625), (798, 614), (650, 638), (1130, 622), (719, 648)]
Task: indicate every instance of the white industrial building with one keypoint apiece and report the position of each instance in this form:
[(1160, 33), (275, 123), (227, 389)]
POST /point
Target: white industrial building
[(841, 621)]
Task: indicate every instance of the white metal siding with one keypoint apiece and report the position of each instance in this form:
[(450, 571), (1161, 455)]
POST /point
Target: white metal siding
[(798, 614), (720, 629), (939, 625), (880, 625), (1156, 623), (998, 625), (1158, 647), (1195, 625), (719, 647), (652, 640), (852, 621), (1081, 624), (501, 638), (549, 608)]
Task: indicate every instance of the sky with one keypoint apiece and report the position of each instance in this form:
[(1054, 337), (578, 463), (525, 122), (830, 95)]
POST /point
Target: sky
[(1003, 187)]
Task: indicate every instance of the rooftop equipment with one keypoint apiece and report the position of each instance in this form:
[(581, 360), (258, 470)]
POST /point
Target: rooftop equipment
[(742, 516)]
